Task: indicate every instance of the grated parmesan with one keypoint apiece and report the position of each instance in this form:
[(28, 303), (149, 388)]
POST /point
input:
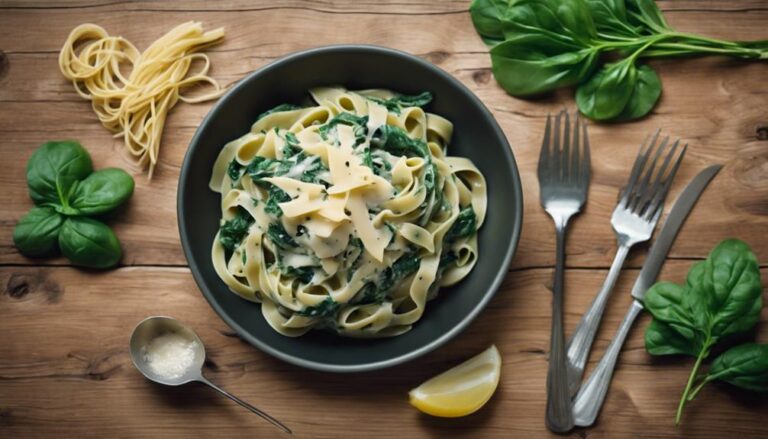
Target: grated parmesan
[(170, 355)]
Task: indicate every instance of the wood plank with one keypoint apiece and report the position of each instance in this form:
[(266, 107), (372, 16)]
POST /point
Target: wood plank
[(734, 205), (64, 367)]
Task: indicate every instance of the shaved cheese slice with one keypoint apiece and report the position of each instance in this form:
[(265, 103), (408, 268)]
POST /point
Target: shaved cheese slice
[(296, 188), (374, 240)]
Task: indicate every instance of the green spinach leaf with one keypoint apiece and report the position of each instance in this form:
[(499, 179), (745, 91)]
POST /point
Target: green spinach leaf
[(89, 243), (722, 296), (645, 13), (37, 234), (102, 191), (744, 366), (644, 96), (489, 18), (535, 63), (606, 94), (53, 169)]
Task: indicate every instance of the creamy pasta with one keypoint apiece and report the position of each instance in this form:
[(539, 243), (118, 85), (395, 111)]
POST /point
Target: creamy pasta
[(347, 214)]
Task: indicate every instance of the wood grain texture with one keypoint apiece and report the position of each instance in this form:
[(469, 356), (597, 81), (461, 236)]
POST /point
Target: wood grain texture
[(65, 366), (64, 369)]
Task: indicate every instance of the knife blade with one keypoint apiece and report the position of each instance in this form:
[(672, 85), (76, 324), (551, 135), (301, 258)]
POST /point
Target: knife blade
[(674, 221)]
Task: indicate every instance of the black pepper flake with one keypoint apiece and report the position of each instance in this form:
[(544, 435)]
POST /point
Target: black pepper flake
[(346, 163)]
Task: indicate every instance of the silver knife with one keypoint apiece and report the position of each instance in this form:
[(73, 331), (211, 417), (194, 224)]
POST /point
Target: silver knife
[(589, 400)]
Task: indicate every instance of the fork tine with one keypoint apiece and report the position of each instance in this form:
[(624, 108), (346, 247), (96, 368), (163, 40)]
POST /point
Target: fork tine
[(637, 167), (650, 193), (573, 169), (544, 162), (586, 161), (656, 205), (556, 155), (565, 161), (643, 192)]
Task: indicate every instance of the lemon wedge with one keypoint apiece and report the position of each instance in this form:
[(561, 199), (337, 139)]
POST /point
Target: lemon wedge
[(462, 390)]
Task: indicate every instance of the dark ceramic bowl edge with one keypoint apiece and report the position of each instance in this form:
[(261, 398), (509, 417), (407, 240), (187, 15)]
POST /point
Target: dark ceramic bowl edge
[(471, 315)]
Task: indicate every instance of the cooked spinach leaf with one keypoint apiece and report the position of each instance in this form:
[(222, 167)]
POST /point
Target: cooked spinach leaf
[(325, 309), (291, 147), (275, 196), (464, 226), (397, 103), (235, 171), (376, 292), (232, 232), (276, 232), (304, 274), (359, 125)]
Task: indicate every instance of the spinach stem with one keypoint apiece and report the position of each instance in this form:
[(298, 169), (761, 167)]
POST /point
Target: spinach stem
[(698, 388), (691, 378)]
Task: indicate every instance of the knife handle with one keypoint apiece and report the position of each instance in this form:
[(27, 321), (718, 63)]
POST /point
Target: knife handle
[(590, 398)]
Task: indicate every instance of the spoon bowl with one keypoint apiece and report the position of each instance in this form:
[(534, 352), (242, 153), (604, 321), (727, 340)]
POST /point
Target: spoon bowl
[(153, 327)]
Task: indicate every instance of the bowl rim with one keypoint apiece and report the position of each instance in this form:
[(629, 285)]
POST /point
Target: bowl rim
[(508, 157)]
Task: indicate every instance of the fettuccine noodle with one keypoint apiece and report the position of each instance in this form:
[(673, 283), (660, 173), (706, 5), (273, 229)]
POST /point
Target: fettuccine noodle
[(135, 107), (347, 215)]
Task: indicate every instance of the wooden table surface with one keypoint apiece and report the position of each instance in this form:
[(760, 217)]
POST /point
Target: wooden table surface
[(64, 365)]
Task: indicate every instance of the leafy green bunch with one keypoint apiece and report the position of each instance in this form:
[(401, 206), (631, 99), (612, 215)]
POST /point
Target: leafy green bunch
[(722, 298), (542, 45), (67, 195)]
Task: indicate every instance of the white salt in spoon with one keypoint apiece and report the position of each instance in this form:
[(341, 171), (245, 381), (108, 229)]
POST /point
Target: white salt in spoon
[(187, 349)]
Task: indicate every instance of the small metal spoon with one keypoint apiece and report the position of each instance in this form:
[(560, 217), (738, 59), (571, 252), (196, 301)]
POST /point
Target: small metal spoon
[(153, 327)]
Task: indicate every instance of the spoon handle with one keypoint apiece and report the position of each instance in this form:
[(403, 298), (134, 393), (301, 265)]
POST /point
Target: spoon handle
[(261, 413)]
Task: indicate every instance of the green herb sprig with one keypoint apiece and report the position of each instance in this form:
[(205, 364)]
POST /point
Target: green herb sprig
[(542, 45), (722, 297), (67, 193)]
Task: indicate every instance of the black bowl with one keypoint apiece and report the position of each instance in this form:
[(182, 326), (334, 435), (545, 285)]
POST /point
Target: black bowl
[(476, 136)]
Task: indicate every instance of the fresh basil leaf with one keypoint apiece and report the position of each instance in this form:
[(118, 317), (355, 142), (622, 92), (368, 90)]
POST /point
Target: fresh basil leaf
[(645, 95), (744, 366), (102, 191), (89, 243), (54, 168), (488, 16), (605, 94), (37, 234), (531, 64)]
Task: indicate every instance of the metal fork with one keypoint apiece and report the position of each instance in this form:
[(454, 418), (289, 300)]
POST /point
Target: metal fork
[(634, 219), (563, 180)]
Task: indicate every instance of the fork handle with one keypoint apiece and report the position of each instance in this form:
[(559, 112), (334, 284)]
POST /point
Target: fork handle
[(590, 399), (559, 416), (581, 341)]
